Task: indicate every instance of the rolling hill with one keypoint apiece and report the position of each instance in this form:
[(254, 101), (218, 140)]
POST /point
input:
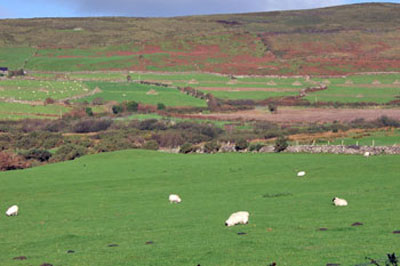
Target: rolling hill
[(328, 41)]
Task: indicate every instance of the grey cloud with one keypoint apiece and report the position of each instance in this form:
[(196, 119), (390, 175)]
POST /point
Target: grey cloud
[(187, 7)]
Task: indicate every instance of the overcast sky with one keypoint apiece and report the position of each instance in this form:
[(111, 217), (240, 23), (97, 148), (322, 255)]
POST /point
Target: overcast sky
[(153, 8)]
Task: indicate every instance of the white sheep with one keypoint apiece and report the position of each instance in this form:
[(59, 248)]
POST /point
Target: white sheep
[(173, 198), (339, 202), (301, 173), (12, 211), (241, 217), (367, 154)]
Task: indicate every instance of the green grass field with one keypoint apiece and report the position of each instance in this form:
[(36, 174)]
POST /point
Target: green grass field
[(39, 90), (142, 94), (121, 198), (14, 111)]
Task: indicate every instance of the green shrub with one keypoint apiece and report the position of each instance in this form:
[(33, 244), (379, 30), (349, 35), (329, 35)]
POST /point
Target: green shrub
[(186, 148), (116, 109), (89, 111), (255, 146), (281, 144), (151, 145), (37, 154), (211, 146), (69, 152), (241, 144), (161, 106), (131, 106)]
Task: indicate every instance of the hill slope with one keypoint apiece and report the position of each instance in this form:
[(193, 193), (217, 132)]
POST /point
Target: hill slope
[(122, 198), (352, 38)]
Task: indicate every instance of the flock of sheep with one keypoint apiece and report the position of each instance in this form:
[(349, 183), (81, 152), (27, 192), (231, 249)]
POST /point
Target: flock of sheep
[(242, 217)]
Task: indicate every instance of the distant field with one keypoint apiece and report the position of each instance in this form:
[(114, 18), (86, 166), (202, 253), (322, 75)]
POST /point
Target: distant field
[(14, 57), (122, 198), (38, 90), (14, 111), (142, 93)]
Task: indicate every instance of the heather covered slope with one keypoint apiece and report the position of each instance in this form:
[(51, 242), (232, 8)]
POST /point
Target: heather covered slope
[(336, 40)]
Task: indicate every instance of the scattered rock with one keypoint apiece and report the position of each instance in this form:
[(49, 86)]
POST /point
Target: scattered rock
[(46, 264), (113, 245), (357, 224), (20, 258), (323, 229), (71, 251), (272, 264), (396, 232), (149, 242), (242, 233), (332, 264)]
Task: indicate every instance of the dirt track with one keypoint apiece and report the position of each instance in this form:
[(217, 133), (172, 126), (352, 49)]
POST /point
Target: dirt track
[(290, 114)]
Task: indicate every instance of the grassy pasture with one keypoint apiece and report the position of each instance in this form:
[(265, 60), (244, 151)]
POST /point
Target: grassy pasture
[(355, 93), (121, 198), (142, 93), (14, 57), (14, 111), (39, 90)]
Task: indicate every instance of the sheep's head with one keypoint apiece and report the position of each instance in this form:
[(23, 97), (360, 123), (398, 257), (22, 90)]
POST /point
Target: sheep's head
[(228, 223), (334, 199)]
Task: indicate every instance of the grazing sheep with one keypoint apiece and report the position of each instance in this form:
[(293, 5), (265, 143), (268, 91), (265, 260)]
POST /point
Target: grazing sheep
[(173, 198), (339, 202), (367, 154), (12, 211), (241, 217), (301, 173)]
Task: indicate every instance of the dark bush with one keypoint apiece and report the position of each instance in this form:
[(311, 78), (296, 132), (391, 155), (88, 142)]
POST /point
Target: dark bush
[(273, 108), (151, 145), (89, 111), (388, 122), (69, 152), (117, 109), (241, 144), (152, 124), (39, 140), (131, 106), (281, 144), (186, 148), (211, 146), (91, 125), (57, 126), (255, 146), (37, 154), (161, 106)]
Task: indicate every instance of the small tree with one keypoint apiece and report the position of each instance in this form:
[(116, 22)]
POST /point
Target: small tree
[(241, 144), (89, 111), (116, 109), (186, 148), (132, 106), (211, 147), (160, 106), (273, 108), (281, 144)]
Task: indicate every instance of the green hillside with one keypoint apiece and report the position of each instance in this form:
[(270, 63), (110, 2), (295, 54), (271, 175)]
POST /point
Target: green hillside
[(335, 40), (121, 199)]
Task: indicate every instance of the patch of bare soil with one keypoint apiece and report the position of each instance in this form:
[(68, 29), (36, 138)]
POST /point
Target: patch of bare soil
[(300, 115)]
